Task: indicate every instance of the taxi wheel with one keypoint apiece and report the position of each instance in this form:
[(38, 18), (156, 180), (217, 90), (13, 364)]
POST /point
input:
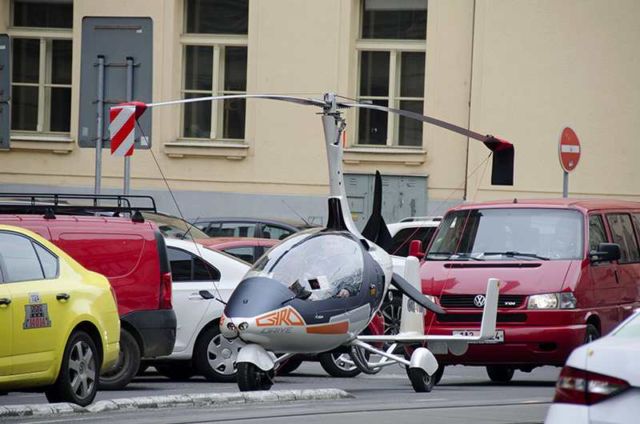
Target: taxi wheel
[(127, 366), (214, 356), (500, 373), (251, 378), (420, 380), (78, 378)]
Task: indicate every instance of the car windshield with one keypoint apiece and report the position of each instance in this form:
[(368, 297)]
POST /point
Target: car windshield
[(631, 329), (315, 266), (509, 234), (174, 227)]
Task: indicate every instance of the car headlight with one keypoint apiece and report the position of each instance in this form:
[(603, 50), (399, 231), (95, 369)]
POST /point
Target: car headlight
[(552, 301)]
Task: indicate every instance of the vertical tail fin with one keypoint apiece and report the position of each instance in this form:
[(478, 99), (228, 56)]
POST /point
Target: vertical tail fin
[(488, 324), (376, 229)]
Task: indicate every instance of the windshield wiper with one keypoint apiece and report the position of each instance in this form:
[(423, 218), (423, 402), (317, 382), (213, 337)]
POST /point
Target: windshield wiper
[(511, 254), (465, 256)]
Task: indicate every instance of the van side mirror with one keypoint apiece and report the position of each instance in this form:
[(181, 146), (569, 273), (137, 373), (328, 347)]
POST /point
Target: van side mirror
[(606, 252), (415, 249)]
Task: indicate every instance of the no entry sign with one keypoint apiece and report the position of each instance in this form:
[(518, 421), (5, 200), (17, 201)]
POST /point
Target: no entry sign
[(569, 150)]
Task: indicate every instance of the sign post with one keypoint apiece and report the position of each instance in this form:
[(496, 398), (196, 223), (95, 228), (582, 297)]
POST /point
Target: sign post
[(569, 152)]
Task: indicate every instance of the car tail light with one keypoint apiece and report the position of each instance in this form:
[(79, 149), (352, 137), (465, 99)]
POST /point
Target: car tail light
[(586, 388), (165, 291)]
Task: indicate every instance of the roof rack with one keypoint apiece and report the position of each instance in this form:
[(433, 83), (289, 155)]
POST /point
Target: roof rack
[(435, 218), (52, 204)]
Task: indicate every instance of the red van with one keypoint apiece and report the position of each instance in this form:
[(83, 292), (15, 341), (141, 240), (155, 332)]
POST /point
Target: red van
[(571, 272), (129, 251)]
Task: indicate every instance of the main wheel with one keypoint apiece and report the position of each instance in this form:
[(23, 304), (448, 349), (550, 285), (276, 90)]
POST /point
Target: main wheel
[(420, 380), (336, 365), (77, 380), (290, 365), (591, 333), (500, 373), (176, 370), (214, 356), (127, 366), (251, 378)]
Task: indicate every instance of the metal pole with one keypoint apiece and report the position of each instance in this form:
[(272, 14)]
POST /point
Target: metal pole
[(99, 135), (565, 185), (129, 97)]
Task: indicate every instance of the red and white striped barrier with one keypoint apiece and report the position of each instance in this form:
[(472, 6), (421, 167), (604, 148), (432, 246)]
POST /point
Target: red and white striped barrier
[(122, 125)]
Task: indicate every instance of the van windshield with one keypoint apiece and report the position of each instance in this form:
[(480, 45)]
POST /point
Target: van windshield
[(509, 234)]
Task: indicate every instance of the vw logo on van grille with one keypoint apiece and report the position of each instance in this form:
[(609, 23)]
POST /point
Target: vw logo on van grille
[(479, 300)]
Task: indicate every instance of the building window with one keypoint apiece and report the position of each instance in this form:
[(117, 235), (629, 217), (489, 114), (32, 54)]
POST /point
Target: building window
[(215, 63), (392, 67), (41, 66)]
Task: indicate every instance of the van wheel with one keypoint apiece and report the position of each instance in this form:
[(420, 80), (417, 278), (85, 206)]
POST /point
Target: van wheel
[(251, 378), (78, 376), (175, 370), (500, 373), (214, 356), (127, 366), (591, 333)]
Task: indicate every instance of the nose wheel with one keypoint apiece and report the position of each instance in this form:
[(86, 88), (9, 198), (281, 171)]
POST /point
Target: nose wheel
[(252, 378)]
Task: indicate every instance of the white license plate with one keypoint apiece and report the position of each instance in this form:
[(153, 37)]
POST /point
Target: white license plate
[(498, 338)]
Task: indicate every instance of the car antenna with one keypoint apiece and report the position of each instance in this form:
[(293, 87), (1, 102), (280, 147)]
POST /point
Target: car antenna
[(297, 214)]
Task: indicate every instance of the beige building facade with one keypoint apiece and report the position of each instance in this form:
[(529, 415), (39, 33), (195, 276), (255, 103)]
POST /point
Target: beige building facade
[(521, 70)]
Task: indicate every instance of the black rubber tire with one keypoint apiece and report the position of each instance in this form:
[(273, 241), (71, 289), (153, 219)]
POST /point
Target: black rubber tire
[(79, 345), (391, 310), (500, 373), (328, 361), (202, 356), (127, 367), (176, 370), (420, 380), (251, 378), (290, 365), (142, 369), (591, 333)]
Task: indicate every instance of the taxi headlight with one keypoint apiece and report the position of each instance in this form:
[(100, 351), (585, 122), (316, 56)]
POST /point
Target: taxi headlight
[(552, 301)]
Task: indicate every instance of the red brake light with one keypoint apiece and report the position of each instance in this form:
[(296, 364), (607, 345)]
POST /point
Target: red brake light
[(586, 388), (165, 291)]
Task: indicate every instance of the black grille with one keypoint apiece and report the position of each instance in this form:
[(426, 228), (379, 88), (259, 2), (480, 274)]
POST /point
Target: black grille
[(478, 317), (466, 301)]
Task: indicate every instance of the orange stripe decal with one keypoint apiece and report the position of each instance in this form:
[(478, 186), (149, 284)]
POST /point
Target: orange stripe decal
[(338, 328)]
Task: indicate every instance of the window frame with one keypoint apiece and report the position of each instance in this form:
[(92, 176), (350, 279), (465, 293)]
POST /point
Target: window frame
[(46, 36), (4, 274), (395, 48), (217, 275), (219, 42), (629, 259)]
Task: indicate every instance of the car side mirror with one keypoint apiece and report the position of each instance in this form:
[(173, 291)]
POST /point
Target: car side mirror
[(206, 294), (606, 252), (415, 249)]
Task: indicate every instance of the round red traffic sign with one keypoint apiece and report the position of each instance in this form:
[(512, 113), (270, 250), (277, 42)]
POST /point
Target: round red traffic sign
[(569, 150)]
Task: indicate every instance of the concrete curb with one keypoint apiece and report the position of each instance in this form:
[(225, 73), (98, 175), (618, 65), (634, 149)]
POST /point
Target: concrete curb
[(169, 401)]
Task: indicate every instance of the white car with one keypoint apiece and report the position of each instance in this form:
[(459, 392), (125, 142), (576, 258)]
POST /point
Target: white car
[(600, 383), (198, 274)]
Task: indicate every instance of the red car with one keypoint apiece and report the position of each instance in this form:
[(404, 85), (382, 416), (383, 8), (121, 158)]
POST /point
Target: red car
[(570, 271), (248, 249)]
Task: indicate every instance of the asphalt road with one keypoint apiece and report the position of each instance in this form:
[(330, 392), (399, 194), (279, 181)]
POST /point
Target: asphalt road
[(464, 395)]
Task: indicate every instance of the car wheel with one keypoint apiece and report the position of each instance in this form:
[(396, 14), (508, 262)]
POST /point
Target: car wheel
[(391, 310), (420, 380), (127, 366), (500, 373), (591, 333), (175, 370), (215, 356), (290, 365), (338, 364), (78, 376), (251, 378)]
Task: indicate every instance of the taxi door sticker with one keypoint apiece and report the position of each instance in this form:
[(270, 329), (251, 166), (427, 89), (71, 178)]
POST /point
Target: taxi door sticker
[(36, 314)]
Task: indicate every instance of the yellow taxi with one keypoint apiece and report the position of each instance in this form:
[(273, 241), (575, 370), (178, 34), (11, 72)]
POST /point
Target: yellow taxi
[(59, 323)]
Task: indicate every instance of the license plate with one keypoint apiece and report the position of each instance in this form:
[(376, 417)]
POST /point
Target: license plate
[(498, 338)]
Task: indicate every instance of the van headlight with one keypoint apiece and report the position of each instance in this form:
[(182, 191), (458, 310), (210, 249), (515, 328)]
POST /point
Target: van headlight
[(552, 301)]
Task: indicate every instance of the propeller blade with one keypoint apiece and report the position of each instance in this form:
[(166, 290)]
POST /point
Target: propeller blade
[(411, 292), (376, 229)]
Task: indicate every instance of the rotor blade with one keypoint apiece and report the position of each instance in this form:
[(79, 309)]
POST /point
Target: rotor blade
[(411, 292), (292, 99)]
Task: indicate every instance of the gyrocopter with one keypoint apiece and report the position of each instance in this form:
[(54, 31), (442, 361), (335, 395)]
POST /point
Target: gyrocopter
[(317, 290)]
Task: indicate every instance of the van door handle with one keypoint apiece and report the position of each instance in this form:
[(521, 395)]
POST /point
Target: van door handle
[(5, 301), (63, 296), (195, 296)]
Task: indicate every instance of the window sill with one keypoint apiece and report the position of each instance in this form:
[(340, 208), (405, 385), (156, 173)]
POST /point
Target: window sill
[(216, 149), (406, 156), (57, 144)]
